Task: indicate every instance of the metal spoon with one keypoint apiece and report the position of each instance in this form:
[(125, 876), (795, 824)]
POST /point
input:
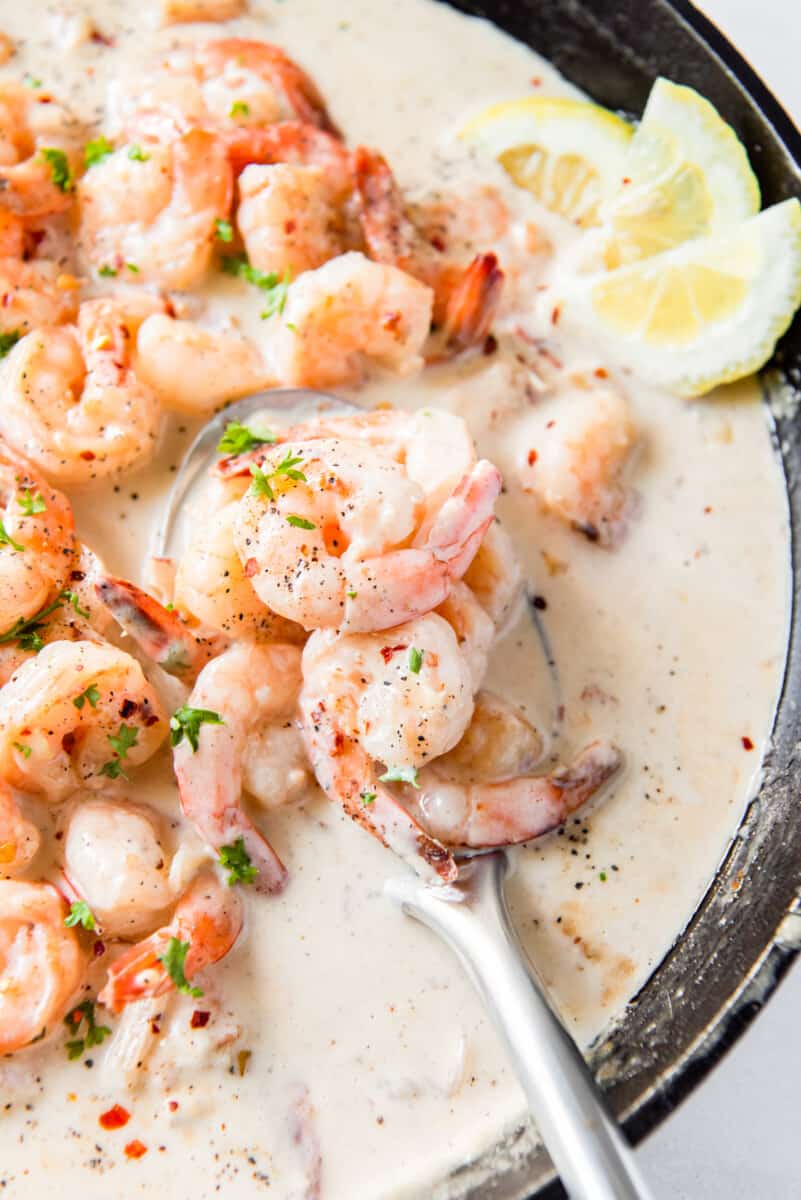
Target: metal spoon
[(583, 1139)]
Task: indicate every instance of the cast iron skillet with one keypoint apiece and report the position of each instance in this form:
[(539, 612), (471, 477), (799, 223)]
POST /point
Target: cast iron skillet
[(747, 929)]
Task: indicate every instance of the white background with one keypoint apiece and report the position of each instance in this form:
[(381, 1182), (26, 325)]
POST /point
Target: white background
[(738, 1136)]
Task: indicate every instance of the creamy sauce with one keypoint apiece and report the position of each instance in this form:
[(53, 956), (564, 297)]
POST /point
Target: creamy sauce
[(672, 645)]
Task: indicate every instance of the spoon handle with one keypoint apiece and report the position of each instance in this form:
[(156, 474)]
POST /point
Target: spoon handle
[(583, 1139)]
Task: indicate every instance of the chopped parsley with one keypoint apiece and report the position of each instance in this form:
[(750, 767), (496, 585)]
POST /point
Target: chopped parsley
[(238, 439), (74, 599), (299, 522), (185, 722), (95, 151), (80, 914), (95, 1035), (287, 469), (25, 751), (239, 109), (276, 286), (107, 271), (132, 267), (368, 798), (31, 504), (31, 81), (59, 167), (8, 341), (27, 634), (7, 540), (224, 230), (89, 695), (351, 595), (401, 775), (415, 660), (137, 154), (174, 959), (236, 861), (121, 743)]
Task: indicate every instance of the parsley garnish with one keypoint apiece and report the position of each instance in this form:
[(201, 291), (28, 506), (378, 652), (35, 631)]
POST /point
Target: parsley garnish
[(415, 660), (223, 230), (90, 694), (95, 151), (80, 914), (26, 633), (106, 271), (288, 468), (121, 743), (59, 167), (299, 522), (351, 595), (7, 540), (132, 267), (236, 861), (239, 109), (95, 1034), (401, 775), (31, 504), (8, 341), (368, 797), (238, 439), (174, 959), (186, 722), (276, 286), (25, 751), (74, 600), (137, 154), (31, 81)]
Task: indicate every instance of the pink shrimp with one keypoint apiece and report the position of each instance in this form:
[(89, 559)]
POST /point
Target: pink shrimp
[(207, 919), (19, 837)]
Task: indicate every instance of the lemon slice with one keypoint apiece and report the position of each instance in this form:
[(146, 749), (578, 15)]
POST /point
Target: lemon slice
[(568, 153), (686, 175), (706, 313)]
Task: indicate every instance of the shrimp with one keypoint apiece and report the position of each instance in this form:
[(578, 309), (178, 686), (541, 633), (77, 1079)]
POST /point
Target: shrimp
[(37, 540), (34, 294), (575, 454), (77, 715), (474, 628), (42, 964), (342, 543), (245, 689), (483, 815), (288, 218), (19, 837), (495, 576), (225, 86), (211, 584), (196, 370), (498, 744), (149, 213), (466, 300), (39, 140), (344, 315), (114, 859), (208, 918), (72, 400), (299, 145)]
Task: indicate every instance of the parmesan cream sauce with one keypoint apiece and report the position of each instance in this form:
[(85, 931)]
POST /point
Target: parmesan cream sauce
[(672, 645)]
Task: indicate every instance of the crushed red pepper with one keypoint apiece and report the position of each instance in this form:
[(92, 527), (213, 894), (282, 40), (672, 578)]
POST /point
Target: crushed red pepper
[(115, 1117), (135, 1149)]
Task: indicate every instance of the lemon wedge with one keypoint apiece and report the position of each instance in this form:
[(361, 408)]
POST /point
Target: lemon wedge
[(568, 153), (686, 175), (703, 314)]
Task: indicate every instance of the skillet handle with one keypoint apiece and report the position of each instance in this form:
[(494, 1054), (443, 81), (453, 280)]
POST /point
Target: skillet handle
[(583, 1139)]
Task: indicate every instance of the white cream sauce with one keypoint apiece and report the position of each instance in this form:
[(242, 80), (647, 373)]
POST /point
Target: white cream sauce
[(672, 645)]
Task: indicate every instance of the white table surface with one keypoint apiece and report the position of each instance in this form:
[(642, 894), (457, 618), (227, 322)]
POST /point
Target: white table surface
[(737, 1137)]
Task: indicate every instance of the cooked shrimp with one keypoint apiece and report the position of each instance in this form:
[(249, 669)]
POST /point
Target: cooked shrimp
[(114, 859), (474, 629), (71, 399), (466, 299), (498, 744), (208, 918), (495, 576), (224, 86), (38, 143), (338, 543), (288, 219), (344, 315), (300, 145), (246, 688), (575, 453), (19, 837), (212, 586), (196, 370), (41, 963), (148, 213), (37, 540), (34, 294), (77, 715), (481, 815)]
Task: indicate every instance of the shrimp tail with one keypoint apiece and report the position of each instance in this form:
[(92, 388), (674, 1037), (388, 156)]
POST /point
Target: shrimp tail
[(388, 232), (456, 532), (159, 632), (473, 304), (138, 973)]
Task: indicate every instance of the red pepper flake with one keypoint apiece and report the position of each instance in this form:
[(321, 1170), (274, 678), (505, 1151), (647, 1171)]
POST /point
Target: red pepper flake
[(747, 743), (250, 568), (388, 651), (626, 179), (87, 455), (532, 457), (601, 373), (707, 508), (172, 1105), (135, 1149), (438, 243), (556, 314), (101, 39), (199, 1019), (115, 1117), (550, 424), (536, 81), (99, 948)]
